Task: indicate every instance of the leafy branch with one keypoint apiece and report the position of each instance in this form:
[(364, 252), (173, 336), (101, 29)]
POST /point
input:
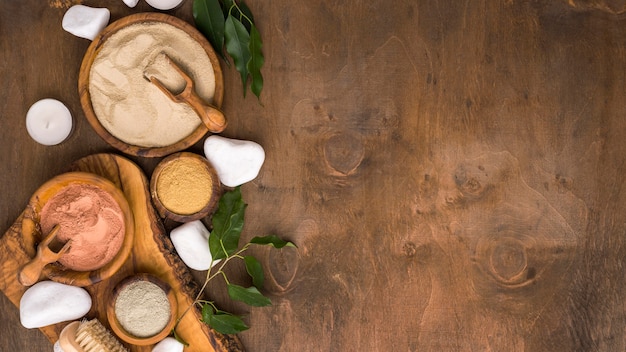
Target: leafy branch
[(223, 244), (230, 25)]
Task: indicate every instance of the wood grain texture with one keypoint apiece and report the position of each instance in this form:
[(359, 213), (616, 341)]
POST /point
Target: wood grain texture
[(452, 172)]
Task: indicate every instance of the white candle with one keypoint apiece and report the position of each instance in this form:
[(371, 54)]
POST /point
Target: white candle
[(49, 122), (164, 4)]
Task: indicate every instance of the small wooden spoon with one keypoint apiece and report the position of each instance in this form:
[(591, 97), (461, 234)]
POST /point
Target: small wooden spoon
[(211, 116), (31, 272)]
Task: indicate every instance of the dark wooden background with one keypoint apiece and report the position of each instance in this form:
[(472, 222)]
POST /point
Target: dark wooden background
[(452, 171)]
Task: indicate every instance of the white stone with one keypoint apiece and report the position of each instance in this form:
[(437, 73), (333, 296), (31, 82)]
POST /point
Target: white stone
[(164, 4), (236, 161), (168, 344), (191, 241), (49, 302), (84, 21), (131, 3)]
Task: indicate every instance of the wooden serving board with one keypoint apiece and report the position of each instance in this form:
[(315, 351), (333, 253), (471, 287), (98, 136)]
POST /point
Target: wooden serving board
[(152, 253)]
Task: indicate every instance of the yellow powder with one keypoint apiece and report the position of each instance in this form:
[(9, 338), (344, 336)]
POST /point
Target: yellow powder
[(130, 107), (184, 186)]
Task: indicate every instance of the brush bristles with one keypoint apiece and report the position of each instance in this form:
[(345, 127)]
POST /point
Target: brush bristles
[(92, 336)]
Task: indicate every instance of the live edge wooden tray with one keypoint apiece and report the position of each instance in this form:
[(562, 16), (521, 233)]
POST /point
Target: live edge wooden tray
[(152, 253)]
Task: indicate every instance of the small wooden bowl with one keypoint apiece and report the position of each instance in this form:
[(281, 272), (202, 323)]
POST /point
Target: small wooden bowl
[(56, 271), (200, 161), (92, 53), (119, 330)]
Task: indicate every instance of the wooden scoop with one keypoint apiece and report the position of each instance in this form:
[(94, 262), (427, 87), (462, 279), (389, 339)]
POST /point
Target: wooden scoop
[(211, 116), (31, 272)]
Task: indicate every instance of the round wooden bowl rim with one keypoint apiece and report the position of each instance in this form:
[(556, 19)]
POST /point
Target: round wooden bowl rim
[(93, 51), (117, 327), (215, 188), (56, 271)]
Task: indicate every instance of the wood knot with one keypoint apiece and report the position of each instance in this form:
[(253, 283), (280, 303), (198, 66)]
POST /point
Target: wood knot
[(421, 253), (472, 183), (283, 266), (409, 249), (508, 261), (343, 153)]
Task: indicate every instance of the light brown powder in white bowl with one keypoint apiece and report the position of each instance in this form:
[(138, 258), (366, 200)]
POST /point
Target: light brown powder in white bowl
[(131, 108)]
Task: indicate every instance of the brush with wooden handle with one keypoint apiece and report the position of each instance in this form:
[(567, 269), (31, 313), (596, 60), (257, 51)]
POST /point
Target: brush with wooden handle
[(88, 336)]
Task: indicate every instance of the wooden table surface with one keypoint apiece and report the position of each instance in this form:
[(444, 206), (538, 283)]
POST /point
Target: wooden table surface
[(451, 171)]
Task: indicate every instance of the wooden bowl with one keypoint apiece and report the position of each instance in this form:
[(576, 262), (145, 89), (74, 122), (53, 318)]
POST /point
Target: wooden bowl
[(56, 271), (92, 53), (119, 330), (199, 162)]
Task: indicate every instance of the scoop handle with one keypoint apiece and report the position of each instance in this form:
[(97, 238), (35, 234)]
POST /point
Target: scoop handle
[(31, 272), (211, 116)]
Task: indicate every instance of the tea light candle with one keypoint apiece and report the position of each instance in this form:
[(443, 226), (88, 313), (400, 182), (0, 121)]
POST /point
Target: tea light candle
[(49, 122), (164, 4)]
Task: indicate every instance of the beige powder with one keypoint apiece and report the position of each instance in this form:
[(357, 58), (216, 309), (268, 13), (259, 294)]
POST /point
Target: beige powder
[(142, 309), (130, 107)]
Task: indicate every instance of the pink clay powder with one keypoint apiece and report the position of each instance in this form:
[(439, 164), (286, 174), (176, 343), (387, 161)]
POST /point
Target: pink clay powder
[(91, 219)]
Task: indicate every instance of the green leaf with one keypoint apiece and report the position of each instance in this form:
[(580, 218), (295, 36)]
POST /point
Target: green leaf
[(250, 295), (228, 323), (240, 11), (256, 61), (245, 11), (207, 313), (227, 224), (209, 19), (229, 5), (238, 47), (222, 322), (255, 270), (271, 240)]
